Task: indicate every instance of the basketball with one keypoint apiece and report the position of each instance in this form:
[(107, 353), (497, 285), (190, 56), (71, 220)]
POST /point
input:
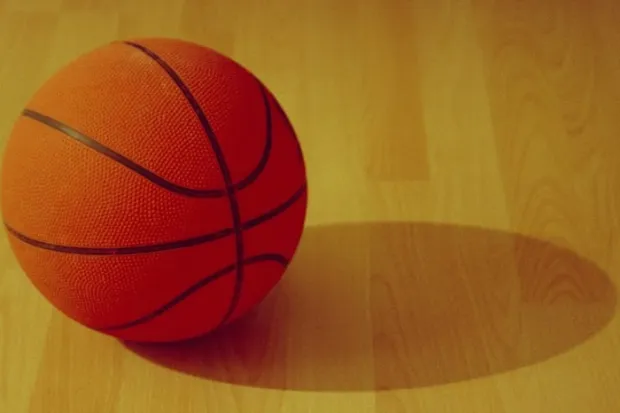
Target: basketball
[(153, 190)]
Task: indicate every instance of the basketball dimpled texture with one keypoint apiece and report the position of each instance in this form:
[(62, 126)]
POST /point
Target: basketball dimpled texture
[(153, 190)]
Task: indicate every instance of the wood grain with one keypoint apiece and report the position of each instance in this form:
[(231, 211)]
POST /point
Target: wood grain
[(462, 249)]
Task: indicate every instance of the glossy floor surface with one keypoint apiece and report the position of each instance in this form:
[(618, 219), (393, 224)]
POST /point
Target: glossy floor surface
[(462, 248)]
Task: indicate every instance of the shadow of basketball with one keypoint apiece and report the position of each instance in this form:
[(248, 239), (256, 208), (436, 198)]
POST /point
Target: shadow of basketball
[(402, 305)]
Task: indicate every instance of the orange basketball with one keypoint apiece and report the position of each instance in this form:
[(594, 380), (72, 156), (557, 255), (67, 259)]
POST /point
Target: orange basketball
[(153, 190)]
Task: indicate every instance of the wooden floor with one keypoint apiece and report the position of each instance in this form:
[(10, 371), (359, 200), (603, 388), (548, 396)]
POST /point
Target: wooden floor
[(462, 248)]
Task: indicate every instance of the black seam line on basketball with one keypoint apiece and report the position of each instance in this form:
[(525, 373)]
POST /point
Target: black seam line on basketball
[(126, 162), (277, 258), (221, 160), (289, 125), (145, 173), (262, 163), (275, 211), (166, 246)]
